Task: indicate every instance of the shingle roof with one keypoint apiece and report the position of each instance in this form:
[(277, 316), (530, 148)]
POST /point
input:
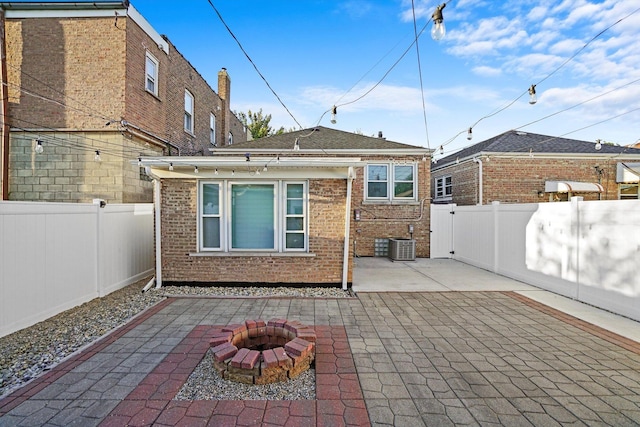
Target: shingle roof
[(322, 138), (524, 142)]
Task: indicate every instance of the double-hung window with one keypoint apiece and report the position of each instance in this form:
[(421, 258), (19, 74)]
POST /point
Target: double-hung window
[(188, 111), (443, 187), (151, 74), (390, 182), (212, 129), (253, 216)]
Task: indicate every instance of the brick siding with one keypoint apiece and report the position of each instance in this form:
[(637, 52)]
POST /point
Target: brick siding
[(519, 180), (179, 239)]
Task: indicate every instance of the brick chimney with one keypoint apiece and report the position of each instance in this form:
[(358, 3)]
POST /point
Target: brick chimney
[(224, 92)]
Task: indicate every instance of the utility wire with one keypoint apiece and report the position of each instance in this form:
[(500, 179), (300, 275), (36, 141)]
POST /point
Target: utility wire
[(545, 78), (253, 63), (424, 108)]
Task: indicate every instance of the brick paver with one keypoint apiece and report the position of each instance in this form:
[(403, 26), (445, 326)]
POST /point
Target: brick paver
[(471, 358)]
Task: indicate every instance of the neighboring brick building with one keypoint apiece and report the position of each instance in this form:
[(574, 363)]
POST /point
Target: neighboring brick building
[(520, 167), (264, 212), (95, 77)]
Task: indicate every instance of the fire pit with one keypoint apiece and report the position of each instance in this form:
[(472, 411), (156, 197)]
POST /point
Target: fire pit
[(255, 352)]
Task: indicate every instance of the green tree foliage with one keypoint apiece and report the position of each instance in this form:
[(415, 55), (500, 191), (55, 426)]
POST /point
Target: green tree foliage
[(258, 124)]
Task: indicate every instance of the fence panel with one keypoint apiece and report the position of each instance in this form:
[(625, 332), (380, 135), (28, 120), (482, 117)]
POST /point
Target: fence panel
[(589, 251), (55, 256)]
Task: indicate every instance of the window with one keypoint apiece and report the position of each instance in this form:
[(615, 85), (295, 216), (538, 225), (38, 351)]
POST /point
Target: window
[(151, 74), (212, 129), (390, 182), (628, 191), (443, 187), (251, 216), (188, 111)]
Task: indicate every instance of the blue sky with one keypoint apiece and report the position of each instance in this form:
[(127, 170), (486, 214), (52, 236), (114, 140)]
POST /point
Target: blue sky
[(317, 53)]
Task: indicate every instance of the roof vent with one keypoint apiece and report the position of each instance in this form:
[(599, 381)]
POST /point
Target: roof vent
[(519, 132)]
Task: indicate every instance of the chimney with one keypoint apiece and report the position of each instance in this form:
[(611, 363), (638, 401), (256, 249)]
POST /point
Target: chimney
[(224, 92)]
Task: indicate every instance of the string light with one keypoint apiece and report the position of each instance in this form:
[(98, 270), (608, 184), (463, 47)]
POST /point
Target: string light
[(438, 30), (97, 157), (532, 95), (265, 168), (216, 172), (470, 134), (334, 111), (598, 145), (296, 145), (39, 149), (195, 170), (233, 172), (171, 166), (139, 161)]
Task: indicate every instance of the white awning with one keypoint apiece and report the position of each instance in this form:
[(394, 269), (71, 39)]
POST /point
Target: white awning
[(628, 172), (572, 187)]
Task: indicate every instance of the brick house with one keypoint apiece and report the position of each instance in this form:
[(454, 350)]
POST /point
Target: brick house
[(91, 86), (520, 167), (292, 208)]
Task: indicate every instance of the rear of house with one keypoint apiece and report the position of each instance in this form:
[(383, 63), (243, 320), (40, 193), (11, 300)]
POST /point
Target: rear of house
[(292, 209)]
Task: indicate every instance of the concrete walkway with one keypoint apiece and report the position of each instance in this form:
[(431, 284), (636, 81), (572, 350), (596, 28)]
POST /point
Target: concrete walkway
[(488, 355)]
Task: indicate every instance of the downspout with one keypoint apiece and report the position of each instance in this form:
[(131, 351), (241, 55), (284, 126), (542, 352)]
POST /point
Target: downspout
[(347, 228), (157, 184), (4, 151), (478, 160)]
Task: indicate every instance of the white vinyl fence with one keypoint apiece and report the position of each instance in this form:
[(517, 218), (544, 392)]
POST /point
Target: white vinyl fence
[(588, 251), (55, 256)]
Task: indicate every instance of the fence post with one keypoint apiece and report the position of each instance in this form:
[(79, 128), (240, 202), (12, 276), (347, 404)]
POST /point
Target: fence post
[(575, 237), (99, 204), (495, 207)]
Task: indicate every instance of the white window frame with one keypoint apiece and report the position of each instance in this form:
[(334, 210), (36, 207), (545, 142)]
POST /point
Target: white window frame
[(630, 195), (390, 182), (212, 129), (442, 190), (189, 102), (280, 215), (151, 75)]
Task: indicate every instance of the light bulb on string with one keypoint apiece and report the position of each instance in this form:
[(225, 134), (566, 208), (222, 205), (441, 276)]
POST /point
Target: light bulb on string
[(532, 95), (97, 157), (39, 149), (469, 134), (598, 145), (438, 30), (215, 172), (195, 170), (171, 167), (334, 111)]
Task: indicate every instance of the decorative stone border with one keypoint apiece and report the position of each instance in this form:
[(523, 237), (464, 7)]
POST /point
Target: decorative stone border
[(255, 352)]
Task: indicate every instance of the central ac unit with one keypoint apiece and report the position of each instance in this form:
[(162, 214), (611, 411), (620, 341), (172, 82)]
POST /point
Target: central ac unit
[(402, 249)]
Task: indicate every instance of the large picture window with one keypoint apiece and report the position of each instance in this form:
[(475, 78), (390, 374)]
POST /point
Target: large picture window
[(390, 182), (253, 216)]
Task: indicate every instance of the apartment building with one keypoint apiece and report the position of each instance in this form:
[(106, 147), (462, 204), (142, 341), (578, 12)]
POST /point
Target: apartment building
[(91, 87)]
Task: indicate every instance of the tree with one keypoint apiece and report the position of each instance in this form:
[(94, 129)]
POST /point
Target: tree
[(258, 124)]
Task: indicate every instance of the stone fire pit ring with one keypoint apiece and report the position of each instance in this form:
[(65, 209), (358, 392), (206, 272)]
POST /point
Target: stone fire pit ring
[(255, 352)]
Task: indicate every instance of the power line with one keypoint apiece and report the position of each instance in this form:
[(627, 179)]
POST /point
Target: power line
[(545, 78), (253, 63), (424, 108)]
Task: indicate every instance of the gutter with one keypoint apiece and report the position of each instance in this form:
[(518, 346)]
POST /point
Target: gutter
[(347, 228), (145, 135), (32, 5)]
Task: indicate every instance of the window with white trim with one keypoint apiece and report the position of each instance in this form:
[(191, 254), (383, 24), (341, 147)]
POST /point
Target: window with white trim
[(188, 111), (390, 182), (443, 188), (151, 74), (212, 129), (253, 216)]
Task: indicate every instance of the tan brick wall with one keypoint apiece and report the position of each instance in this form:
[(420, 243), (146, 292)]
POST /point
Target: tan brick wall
[(385, 221), (518, 180), (67, 172), (77, 62), (179, 237)]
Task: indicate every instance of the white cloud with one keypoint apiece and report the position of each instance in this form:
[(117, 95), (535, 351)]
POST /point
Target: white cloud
[(486, 71), (566, 47)]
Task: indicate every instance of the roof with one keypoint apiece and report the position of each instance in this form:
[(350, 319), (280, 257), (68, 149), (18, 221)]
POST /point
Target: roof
[(321, 138), (524, 142)]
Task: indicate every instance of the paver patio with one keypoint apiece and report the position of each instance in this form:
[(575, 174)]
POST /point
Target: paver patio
[(439, 358)]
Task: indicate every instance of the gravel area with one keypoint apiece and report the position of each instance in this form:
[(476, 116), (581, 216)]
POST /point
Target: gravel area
[(27, 353), (205, 383)]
